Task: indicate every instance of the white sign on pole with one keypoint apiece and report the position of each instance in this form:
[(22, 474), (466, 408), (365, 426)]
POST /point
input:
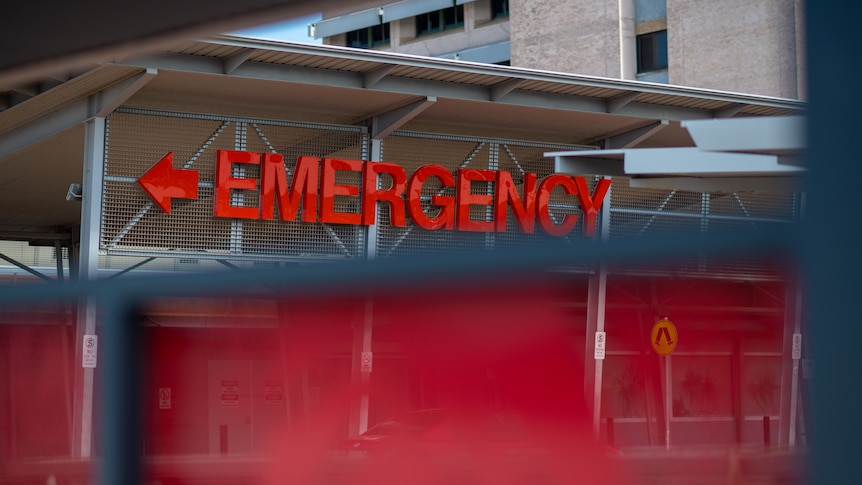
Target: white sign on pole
[(796, 350), (230, 393), (91, 346), (366, 362), (599, 353), (164, 398)]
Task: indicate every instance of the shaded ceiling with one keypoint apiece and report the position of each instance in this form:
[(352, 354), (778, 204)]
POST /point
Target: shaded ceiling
[(42, 136)]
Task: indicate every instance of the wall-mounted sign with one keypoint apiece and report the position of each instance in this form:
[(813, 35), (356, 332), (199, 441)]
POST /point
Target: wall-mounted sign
[(164, 398), (366, 363), (601, 341), (273, 393), (314, 187), (90, 351), (796, 348), (230, 393), (663, 337)]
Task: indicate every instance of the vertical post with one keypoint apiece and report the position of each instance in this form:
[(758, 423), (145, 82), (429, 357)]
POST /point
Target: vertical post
[(238, 198), (738, 388), (831, 258), (610, 431), (595, 324), (286, 368), (121, 393), (791, 353), (371, 230), (222, 439), (649, 397), (668, 400), (593, 367), (361, 370), (493, 165), (628, 50), (88, 260), (362, 354), (58, 250), (796, 356)]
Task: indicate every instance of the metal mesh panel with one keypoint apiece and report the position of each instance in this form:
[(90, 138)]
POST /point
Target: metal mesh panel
[(520, 159), (132, 224), (641, 212), (412, 150)]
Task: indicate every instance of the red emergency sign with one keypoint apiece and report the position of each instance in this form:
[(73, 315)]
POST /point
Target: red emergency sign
[(314, 189)]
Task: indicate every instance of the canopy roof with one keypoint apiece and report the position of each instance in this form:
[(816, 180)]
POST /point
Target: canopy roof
[(42, 134)]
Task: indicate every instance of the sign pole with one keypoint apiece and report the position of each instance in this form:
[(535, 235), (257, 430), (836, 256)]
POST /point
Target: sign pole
[(597, 298), (668, 403), (598, 288), (88, 260), (796, 356), (664, 339), (362, 332)]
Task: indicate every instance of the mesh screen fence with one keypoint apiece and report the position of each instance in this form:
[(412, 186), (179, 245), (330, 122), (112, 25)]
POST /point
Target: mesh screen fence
[(412, 150), (133, 226), (643, 212)]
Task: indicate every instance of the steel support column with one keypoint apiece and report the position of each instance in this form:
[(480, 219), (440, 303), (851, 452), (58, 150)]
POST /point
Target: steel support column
[(791, 350), (91, 203), (362, 357), (596, 323), (592, 365)]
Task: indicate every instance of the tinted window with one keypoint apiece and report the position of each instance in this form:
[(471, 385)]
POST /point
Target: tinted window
[(652, 51)]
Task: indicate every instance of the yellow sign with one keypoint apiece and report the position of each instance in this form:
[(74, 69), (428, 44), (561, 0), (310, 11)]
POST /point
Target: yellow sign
[(663, 337)]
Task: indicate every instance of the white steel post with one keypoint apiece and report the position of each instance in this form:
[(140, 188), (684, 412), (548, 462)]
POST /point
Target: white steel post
[(791, 355), (596, 323), (362, 354), (668, 399), (91, 204)]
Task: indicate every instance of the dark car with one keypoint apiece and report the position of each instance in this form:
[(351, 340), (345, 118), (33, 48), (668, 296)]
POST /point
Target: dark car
[(472, 445)]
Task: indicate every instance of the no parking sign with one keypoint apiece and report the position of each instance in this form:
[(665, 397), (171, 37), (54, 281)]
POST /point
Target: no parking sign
[(90, 347)]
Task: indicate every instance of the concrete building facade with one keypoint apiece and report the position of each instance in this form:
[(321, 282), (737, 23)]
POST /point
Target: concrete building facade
[(736, 45)]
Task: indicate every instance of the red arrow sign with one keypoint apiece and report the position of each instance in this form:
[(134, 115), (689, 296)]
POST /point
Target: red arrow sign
[(163, 183)]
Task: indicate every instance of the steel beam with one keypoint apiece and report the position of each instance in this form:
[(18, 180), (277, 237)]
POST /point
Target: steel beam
[(502, 88), (374, 76), (383, 125), (232, 62), (48, 44), (27, 268), (613, 105), (100, 104), (634, 137), (420, 87)]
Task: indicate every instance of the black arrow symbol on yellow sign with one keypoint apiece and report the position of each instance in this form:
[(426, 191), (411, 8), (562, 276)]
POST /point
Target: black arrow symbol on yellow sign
[(666, 333)]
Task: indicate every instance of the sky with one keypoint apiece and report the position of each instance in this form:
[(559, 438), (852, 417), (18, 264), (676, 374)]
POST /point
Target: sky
[(293, 30)]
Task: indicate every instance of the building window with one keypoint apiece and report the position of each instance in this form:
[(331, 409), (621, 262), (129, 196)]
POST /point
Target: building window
[(440, 20), (652, 51), (499, 8), (369, 37)]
